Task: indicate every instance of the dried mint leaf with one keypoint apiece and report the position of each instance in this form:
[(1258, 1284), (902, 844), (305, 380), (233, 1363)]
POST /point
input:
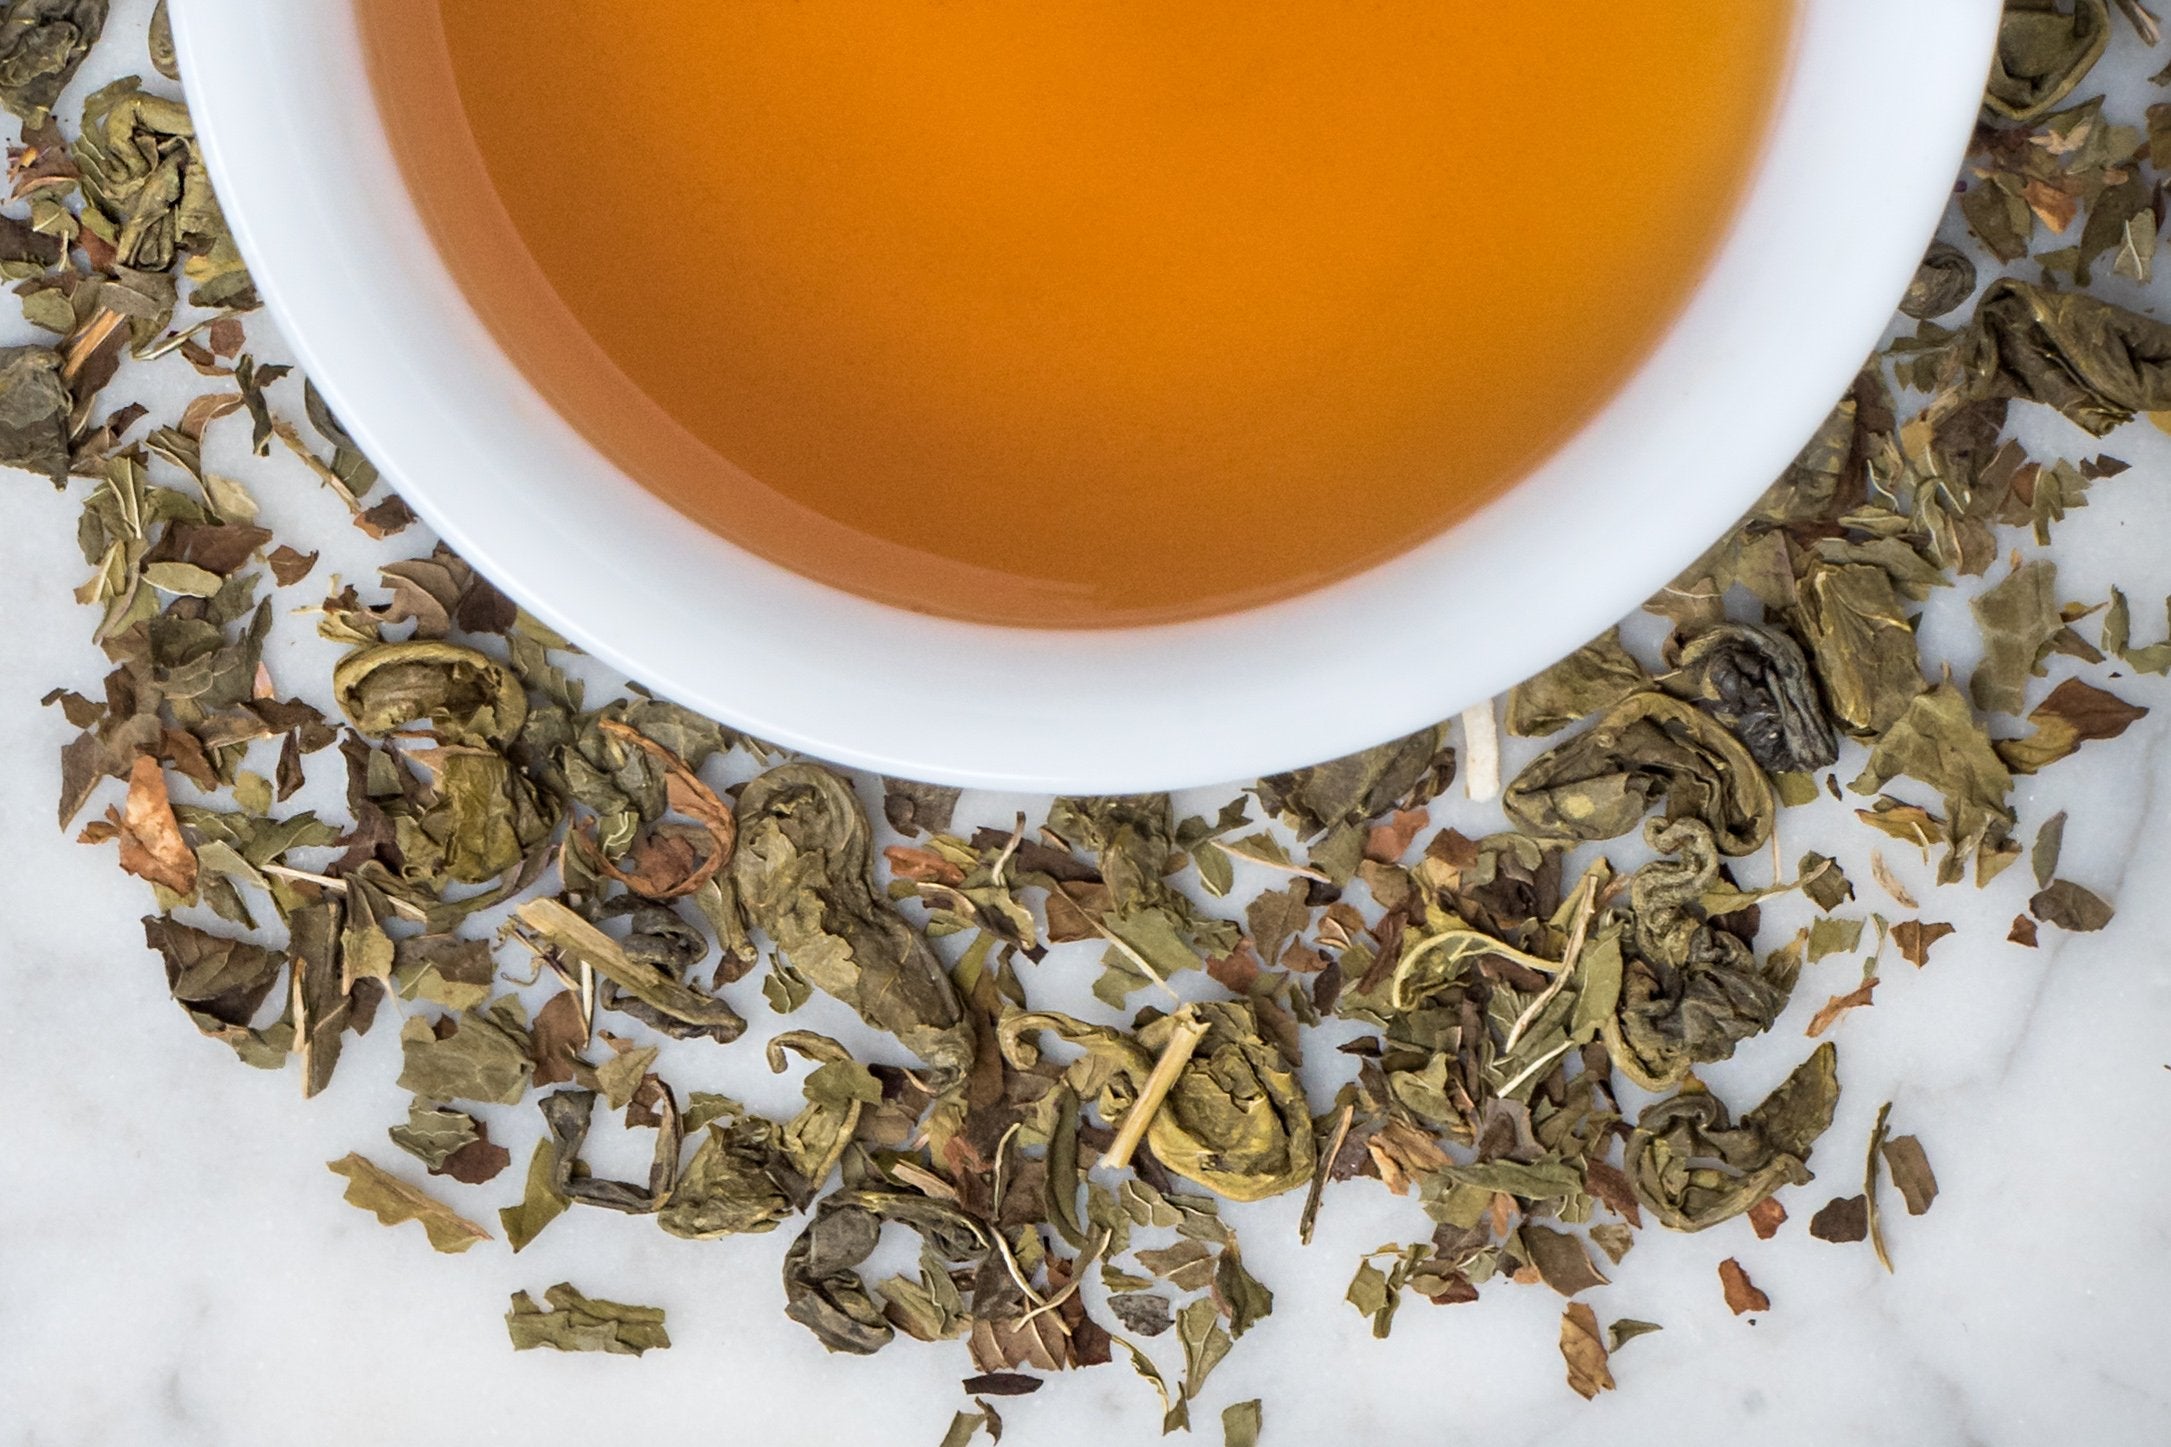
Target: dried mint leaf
[(576, 1323), (2070, 907), (34, 411), (1590, 680), (393, 1201)]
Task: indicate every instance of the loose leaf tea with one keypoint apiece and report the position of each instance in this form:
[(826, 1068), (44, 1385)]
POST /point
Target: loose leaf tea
[(576, 1323), (1351, 971), (393, 1201)]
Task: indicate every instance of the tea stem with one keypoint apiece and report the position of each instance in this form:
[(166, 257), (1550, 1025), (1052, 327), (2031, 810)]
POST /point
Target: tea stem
[(1320, 1174), (1481, 747), (1189, 1031)]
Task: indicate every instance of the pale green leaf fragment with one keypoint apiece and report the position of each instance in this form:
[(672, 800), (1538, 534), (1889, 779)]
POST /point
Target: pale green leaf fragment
[(393, 1202)]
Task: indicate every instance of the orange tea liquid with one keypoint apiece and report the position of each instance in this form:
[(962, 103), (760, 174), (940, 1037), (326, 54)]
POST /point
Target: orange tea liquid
[(1078, 312)]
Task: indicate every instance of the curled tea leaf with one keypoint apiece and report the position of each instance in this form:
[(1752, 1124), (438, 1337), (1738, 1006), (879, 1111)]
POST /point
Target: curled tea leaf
[(1694, 1167), (1690, 992), (738, 1182), (1236, 1120), (2097, 363), (463, 693), (1756, 681), (42, 42), (1943, 283), (822, 1289), (1647, 750), (804, 875), (2045, 50)]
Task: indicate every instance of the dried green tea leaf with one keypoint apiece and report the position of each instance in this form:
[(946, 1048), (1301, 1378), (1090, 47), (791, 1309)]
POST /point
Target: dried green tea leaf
[(1742, 1294), (1235, 1120), (1584, 1352), (1756, 681), (160, 40), (576, 1323), (482, 1055), (1910, 1168), (1240, 1424), (1647, 750), (1561, 1260), (34, 407), (1943, 283), (1626, 1330), (433, 1134), (804, 872), (563, 930), (2096, 363), (965, 1426), (2018, 618), (2049, 844), (2045, 50), (1824, 881), (914, 808), (1858, 630), (1694, 1167), (823, 1291), (42, 42), (2070, 907), (1834, 935), (1940, 742), (738, 1182), (1590, 680), (1363, 786), (393, 1201), (1842, 1220), (222, 983), (539, 1206)]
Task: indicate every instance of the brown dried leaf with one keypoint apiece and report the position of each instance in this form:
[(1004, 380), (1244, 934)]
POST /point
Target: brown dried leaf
[(1742, 1295), (1584, 1351), (1842, 1220)]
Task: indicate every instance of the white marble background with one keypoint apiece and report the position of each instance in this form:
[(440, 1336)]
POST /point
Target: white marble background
[(176, 1266)]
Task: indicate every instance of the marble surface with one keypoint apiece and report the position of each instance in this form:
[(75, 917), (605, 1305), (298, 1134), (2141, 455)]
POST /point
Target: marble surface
[(176, 1266)]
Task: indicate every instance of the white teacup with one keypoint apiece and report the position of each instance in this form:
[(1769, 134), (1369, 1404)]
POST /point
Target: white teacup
[(1871, 125)]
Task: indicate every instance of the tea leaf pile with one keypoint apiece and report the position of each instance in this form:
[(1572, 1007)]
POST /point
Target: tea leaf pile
[(553, 892)]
